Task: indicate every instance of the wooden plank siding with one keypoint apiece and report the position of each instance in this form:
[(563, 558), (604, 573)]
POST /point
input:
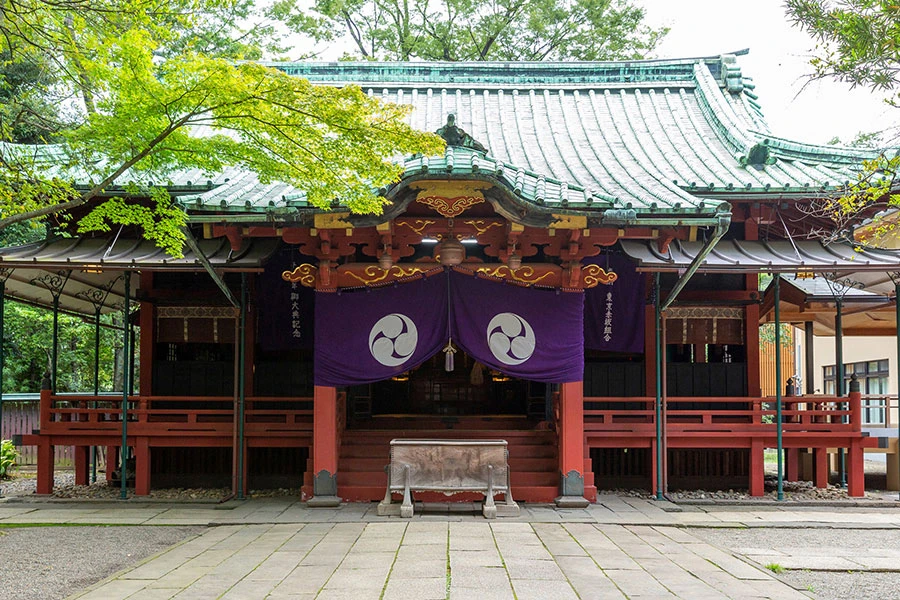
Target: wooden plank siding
[(767, 362)]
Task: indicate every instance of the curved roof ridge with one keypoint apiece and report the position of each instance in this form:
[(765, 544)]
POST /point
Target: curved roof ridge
[(719, 113), (794, 150)]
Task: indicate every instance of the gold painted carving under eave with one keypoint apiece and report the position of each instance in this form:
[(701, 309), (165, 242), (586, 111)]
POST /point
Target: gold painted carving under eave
[(304, 274), (593, 275), (332, 221), (569, 222), (450, 198), (481, 226), (525, 274), (419, 227), (375, 274)]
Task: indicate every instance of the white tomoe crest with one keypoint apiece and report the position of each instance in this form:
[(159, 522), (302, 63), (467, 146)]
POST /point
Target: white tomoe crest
[(510, 338), (393, 339)]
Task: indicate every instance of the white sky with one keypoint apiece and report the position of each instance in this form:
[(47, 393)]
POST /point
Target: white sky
[(778, 60)]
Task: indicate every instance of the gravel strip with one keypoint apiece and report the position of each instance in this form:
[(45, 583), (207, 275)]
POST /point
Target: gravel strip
[(825, 585), (45, 563)]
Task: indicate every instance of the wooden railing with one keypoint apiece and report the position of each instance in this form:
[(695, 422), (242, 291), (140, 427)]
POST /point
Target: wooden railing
[(724, 414), (149, 414)]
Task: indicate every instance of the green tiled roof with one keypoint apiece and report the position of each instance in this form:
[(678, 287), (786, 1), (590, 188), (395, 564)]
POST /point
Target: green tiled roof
[(665, 137), (662, 138)]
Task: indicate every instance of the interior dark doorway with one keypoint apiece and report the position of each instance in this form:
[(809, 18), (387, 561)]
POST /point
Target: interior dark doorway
[(470, 389)]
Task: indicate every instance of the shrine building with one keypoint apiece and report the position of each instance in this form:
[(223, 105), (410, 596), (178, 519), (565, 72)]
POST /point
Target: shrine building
[(577, 275)]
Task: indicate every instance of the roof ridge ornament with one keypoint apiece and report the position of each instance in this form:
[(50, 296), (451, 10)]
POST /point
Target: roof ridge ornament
[(456, 136), (758, 156)]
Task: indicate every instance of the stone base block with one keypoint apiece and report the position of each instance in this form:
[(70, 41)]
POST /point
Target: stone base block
[(572, 502), (323, 502)]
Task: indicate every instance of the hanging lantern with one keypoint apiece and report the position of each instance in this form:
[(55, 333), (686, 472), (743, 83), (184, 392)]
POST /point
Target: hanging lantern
[(514, 261), (451, 252), (385, 261)]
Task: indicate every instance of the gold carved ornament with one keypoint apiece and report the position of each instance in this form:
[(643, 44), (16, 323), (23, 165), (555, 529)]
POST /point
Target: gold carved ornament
[(525, 274), (593, 275), (375, 274), (419, 227), (304, 274), (480, 226), (450, 207)]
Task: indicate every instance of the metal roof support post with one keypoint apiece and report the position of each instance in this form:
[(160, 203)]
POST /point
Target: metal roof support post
[(2, 307), (126, 338), (659, 358), (809, 340), (242, 338), (724, 222), (887, 408), (96, 383), (895, 277), (779, 424), (839, 376), (217, 279)]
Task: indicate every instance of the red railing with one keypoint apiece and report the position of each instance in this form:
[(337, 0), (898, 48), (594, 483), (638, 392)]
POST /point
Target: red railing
[(725, 414), (102, 414)]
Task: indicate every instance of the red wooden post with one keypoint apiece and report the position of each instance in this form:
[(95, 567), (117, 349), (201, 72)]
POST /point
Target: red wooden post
[(82, 464), (325, 448), (112, 459), (571, 445), (142, 466), (757, 474), (820, 467), (856, 476), (854, 400), (793, 464), (45, 466)]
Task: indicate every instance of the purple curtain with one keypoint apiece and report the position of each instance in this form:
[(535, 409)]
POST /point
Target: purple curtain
[(370, 335), (286, 310), (524, 332), (614, 314)]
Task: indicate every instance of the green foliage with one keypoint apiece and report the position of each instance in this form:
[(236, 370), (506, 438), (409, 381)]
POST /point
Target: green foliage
[(775, 568), (8, 456), (478, 29), (858, 41), (158, 90), (28, 343)]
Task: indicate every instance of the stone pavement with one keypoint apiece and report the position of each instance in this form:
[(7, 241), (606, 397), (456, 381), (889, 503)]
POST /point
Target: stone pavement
[(618, 548)]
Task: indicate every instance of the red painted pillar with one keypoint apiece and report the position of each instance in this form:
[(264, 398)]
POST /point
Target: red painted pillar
[(571, 445), (142, 466), (793, 464), (856, 476), (82, 464), (325, 448), (112, 461), (45, 467), (757, 470), (820, 467)]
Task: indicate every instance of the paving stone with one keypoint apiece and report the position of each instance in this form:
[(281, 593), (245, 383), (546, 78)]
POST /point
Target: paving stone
[(415, 569), (471, 593), (398, 588), (538, 589), (480, 577), (534, 569), (475, 558)]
